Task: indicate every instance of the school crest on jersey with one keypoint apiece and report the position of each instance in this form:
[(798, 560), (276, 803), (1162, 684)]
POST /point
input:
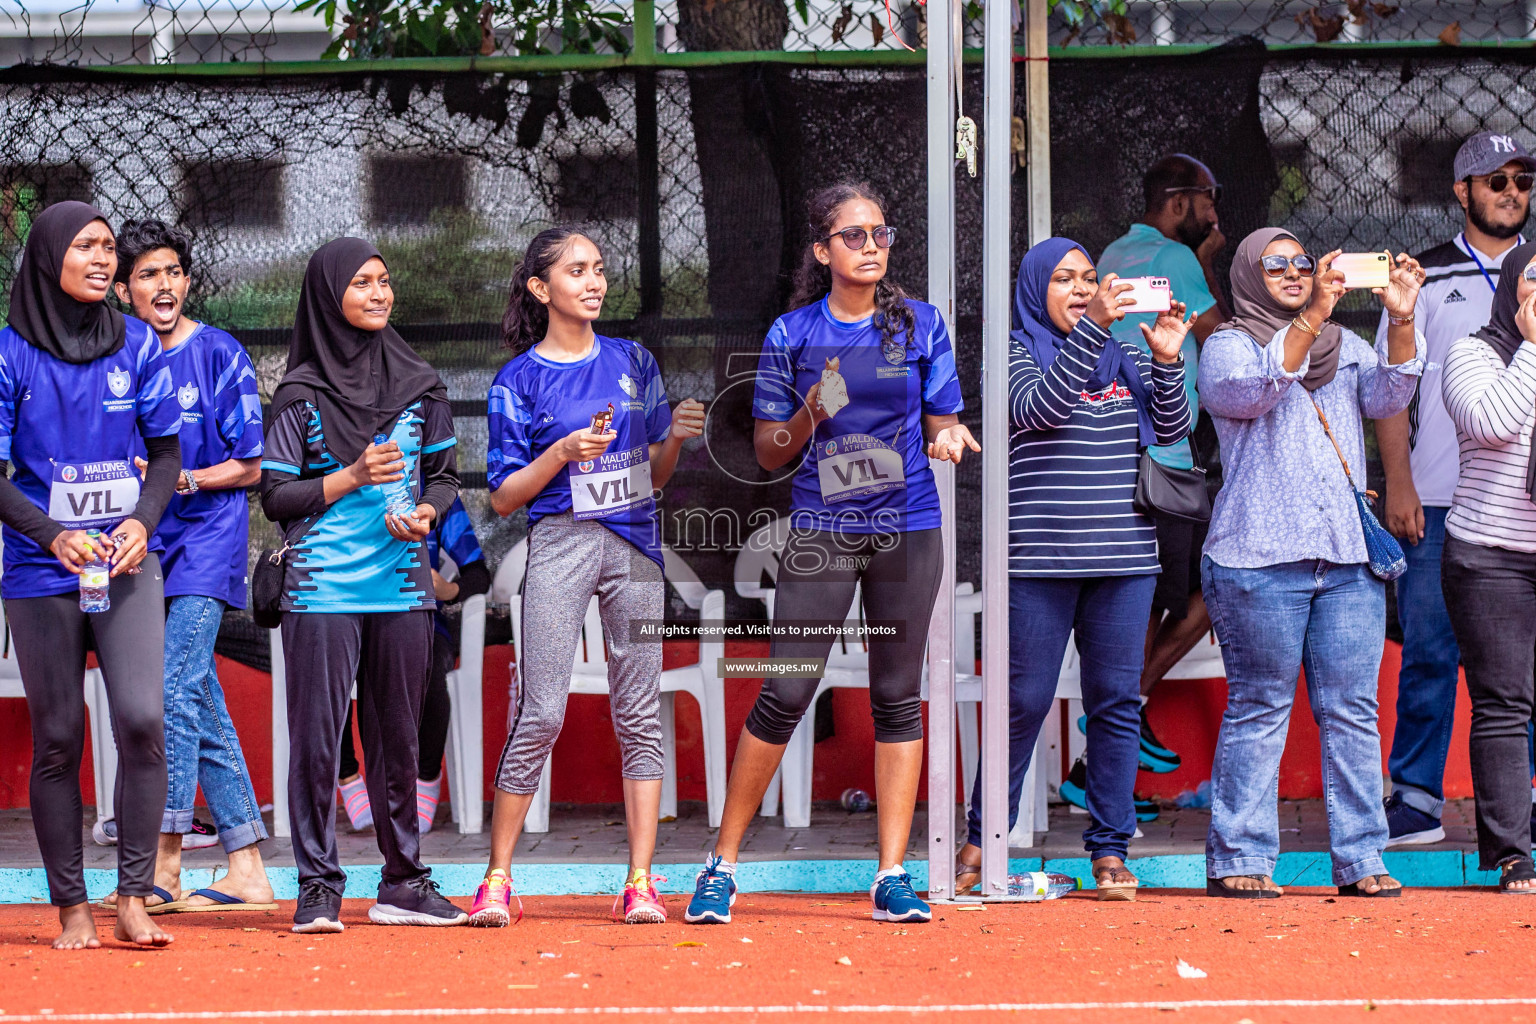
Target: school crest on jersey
[(187, 395), (117, 382), (894, 349), (627, 385)]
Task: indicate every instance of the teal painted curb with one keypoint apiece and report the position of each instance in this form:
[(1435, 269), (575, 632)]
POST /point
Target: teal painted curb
[(1414, 868)]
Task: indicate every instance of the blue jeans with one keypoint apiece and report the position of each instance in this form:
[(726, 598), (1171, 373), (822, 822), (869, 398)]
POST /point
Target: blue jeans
[(1426, 686), (1109, 615), (1271, 622), (200, 741)]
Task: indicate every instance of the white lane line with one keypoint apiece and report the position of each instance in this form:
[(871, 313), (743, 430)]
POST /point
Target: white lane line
[(796, 1008)]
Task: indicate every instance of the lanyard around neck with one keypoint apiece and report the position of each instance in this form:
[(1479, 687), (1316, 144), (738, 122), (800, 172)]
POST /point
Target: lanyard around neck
[(1520, 239)]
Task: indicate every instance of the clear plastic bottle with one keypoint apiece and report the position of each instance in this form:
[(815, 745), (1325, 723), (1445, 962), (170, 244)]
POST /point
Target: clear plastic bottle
[(855, 800), (95, 577), (1041, 885), (398, 500)]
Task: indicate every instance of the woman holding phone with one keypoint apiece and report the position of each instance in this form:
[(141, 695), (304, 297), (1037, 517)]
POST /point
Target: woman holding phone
[(1081, 560), (357, 593), (580, 433), (1286, 570), (79, 385), (859, 382)]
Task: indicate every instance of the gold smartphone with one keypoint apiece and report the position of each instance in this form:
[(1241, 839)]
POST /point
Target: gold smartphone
[(1364, 269)]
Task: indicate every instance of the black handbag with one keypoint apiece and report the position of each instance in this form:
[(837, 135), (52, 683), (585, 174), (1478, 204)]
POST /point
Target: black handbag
[(1162, 491), (267, 587)]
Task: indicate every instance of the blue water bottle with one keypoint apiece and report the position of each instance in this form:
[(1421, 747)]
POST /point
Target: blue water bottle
[(95, 577), (398, 500)]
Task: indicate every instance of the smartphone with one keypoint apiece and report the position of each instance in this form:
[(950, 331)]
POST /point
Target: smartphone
[(1151, 294), (1364, 269)]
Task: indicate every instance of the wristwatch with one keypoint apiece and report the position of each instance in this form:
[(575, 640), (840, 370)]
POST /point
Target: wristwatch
[(187, 484)]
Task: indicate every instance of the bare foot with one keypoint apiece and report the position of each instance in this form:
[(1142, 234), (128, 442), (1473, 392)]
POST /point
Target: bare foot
[(1377, 883), (1111, 876), (134, 925), (78, 928), (1251, 882)]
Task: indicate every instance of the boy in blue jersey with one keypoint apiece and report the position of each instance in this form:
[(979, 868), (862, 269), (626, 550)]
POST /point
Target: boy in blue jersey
[(455, 537), (205, 533)]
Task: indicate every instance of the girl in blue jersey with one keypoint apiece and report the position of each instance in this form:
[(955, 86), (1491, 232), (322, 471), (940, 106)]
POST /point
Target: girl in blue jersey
[(80, 384), (860, 381), (581, 433), (357, 598)]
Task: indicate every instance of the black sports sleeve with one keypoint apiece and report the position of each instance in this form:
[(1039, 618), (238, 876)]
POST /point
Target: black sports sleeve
[(439, 469), (284, 496), (160, 478), (17, 512)]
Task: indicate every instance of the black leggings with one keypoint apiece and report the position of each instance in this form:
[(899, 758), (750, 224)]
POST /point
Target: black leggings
[(49, 633), (899, 574), (435, 709)]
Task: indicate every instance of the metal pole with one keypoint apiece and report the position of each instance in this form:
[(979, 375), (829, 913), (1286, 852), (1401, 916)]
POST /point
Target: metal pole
[(995, 275), (1037, 119), (941, 292)]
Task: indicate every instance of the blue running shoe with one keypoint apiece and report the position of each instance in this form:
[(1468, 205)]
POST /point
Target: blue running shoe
[(896, 901), (1152, 756), (714, 893), (1409, 826), (1074, 790)]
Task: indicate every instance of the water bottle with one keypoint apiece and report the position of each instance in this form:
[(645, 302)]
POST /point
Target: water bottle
[(95, 577), (855, 800), (398, 500), (1034, 886)]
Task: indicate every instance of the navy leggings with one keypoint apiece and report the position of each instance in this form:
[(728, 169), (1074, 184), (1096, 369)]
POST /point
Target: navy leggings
[(1109, 615)]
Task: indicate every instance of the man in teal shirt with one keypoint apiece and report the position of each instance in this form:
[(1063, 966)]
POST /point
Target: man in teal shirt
[(1177, 237)]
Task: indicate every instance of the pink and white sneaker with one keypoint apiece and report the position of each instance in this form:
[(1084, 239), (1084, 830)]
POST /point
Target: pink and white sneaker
[(493, 902), (427, 796), (354, 798), (642, 903)]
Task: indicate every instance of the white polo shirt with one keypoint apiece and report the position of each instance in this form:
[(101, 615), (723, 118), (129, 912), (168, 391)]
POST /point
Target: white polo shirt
[(1454, 302)]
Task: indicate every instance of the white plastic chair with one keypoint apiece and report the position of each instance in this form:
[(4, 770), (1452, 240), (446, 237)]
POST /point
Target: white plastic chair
[(465, 753), (99, 722), (589, 675)]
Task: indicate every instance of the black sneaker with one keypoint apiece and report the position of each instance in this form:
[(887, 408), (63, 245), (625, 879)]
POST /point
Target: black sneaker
[(1409, 826), (319, 909), (1074, 790), (1153, 755), (415, 902)]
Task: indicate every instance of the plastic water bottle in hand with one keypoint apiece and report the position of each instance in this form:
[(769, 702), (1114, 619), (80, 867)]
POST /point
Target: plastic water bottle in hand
[(398, 500), (855, 800), (95, 577), (1034, 886)]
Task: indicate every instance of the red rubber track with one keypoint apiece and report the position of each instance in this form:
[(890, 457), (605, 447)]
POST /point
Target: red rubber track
[(1429, 956)]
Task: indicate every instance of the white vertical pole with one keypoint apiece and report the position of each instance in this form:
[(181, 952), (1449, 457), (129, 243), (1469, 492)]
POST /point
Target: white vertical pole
[(1037, 116), (995, 276), (941, 292)]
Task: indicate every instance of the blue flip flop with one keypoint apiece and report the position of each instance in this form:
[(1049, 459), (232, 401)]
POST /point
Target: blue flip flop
[(223, 902), (168, 904)]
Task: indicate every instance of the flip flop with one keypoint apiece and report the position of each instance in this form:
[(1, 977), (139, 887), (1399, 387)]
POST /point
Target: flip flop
[(1218, 887), (167, 904), (1114, 891), (1353, 889), (223, 902)]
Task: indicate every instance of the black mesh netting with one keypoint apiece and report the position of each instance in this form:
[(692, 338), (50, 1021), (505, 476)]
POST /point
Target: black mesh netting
[(692, 182)]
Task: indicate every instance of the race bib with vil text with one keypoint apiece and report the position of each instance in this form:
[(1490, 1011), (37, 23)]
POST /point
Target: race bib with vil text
[(92, 495)]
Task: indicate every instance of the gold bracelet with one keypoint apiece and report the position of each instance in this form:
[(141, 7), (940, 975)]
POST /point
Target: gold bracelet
[(1301, 324), (1401, 321)]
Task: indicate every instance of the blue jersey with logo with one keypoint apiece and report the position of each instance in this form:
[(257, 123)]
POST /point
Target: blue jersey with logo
[(62, 421), (344, 559), (206, 535), (866, 469), (535, 402), (454, 537)]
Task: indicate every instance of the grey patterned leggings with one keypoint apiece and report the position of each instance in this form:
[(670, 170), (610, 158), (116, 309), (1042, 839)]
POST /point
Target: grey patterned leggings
[(569, 562)]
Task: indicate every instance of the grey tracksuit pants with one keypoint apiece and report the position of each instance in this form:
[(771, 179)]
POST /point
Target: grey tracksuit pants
[(569, 562)]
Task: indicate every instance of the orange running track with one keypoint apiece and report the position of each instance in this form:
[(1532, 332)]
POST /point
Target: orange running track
[(1433, 955)]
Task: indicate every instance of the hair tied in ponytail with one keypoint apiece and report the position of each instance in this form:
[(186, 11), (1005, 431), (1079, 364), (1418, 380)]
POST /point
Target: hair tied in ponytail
[(526, 320)]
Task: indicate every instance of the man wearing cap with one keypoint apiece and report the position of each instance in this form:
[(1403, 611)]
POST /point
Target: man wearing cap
[(1419, 454)]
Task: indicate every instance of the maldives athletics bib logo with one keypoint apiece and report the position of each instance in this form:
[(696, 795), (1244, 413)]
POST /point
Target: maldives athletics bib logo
[(117, 381), (69, 474)]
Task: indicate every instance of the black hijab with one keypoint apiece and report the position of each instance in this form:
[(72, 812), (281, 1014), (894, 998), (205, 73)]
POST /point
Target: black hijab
[(360, 380), (44, 314), (1502, 332)]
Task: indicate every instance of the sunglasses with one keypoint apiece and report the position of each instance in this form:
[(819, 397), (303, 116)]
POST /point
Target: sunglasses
[(1529, 273), (853, 238), (1499, 181), (1214, 191), (1275, 266)]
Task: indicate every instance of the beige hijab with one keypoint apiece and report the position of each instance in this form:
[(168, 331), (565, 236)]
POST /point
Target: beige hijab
[(1259, 316)]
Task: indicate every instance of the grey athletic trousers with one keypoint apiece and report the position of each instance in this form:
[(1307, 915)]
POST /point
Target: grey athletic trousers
[(568, 562), (49, 635)]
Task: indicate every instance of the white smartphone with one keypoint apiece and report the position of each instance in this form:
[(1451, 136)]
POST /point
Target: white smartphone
[(1364, 269), (1150, 294)]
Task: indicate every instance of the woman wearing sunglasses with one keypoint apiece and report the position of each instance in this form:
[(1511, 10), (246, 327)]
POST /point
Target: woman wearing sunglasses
[(1488, 567), (1286, 571), (859, 380)]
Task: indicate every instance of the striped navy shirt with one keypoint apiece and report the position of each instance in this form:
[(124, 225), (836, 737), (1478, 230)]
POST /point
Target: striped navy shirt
[(1072, 461)]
